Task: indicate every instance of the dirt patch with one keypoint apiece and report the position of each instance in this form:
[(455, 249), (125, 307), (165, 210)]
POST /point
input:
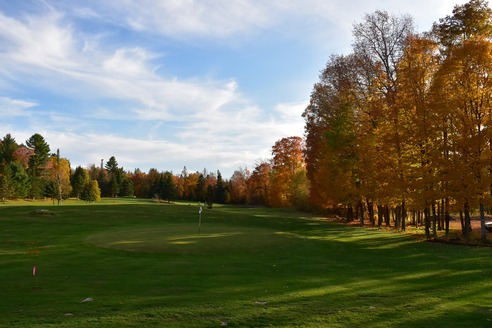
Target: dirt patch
[(42, 212)]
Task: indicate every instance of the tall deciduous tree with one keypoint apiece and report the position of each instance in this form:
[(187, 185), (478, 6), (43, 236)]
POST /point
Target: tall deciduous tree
[(464, 82), (380, 41), (288, 159), (468, 21), (421, 124), (238, 186), (58, 185), (259, 183)]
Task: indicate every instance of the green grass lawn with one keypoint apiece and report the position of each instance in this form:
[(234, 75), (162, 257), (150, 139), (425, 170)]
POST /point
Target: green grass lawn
[(146, 264)]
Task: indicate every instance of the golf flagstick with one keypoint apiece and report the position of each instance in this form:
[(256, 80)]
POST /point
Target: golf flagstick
[(199, 220), (35, 277)]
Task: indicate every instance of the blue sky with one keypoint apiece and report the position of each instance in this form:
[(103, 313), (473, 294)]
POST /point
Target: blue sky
[(172, 83)]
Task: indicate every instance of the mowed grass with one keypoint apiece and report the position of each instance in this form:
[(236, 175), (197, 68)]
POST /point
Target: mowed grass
[(145, 264)]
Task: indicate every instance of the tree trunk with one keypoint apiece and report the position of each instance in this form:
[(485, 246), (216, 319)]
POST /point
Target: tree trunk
[(350, 213), (370, 210), (361, 212), (462, 221), (440, 215), (386, 215), (397, 217), (467, 226), (403, 216), (483, 233), (427, 222), (380, 215), (446, 215), (434, 220)]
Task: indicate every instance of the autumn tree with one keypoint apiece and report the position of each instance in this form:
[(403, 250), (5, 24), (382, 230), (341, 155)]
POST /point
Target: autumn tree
[(421, 124), (463, 93), (288, 159), (380, 41), (468, 21), (238, 186), (58, 185), (258, 183), (141, 183)]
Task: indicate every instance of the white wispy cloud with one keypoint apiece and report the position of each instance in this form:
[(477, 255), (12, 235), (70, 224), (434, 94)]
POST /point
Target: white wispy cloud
[(73, 52), (15, 107), (181, 19), (48, 50)]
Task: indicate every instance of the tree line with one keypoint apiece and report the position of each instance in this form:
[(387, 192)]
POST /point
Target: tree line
[(402, 124), (30, 170)]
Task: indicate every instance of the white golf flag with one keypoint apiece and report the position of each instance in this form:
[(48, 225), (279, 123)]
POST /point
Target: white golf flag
[(200, 210)]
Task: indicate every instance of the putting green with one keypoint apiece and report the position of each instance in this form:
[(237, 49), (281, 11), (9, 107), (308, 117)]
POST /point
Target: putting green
[(216, 239)]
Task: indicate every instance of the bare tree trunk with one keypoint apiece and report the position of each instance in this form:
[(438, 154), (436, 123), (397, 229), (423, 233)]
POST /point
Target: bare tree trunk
[(403, 216), (434, 219), (446, 215), (350, 213), (397, 217), (467, 226), (483, 233), (462, 221), (427, 222), (386, 215), (440, 215), (380, 215), (370, 210), (361, 212)]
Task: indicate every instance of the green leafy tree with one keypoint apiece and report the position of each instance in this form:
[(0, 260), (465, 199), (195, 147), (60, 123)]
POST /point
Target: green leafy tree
[(154, 178), (210, 196), (37, 164), (5, 181), (8, 146), (168, 190), (126, 189), (20, 180), (80, 179), (220, 190), (91, 193), (114, 176)]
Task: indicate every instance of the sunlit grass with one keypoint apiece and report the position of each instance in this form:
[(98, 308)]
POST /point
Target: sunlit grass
[(148, 264)]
